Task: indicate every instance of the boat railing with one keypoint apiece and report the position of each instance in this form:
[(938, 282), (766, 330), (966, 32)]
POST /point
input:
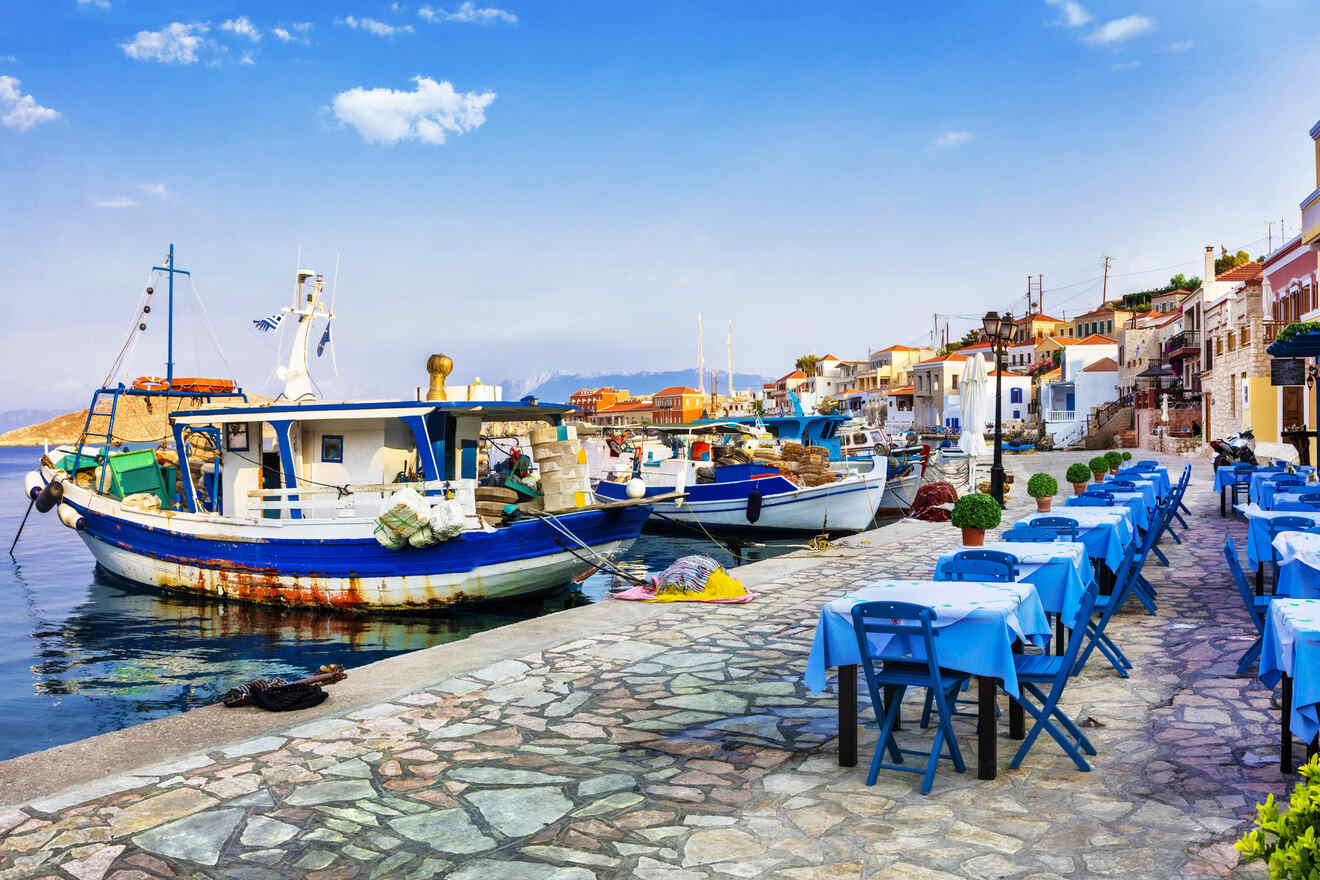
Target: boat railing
[(338, 500)]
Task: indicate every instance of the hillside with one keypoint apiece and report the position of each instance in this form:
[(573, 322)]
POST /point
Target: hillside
[(560, 387), (138, 419)]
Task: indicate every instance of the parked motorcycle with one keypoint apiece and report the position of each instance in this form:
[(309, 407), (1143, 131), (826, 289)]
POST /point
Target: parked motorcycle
[(1235, 449)]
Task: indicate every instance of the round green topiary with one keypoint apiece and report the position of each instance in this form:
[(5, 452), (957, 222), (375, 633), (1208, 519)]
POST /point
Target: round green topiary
[(1127, 456), (976, 511), (1042, 486), (1098, 466), (1115, 458), (1077, 473)]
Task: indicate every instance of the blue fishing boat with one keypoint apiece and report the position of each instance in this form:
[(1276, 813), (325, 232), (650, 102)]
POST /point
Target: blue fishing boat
[(356, 505)]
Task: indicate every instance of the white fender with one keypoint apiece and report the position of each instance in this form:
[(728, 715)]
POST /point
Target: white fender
[(71, 518), (33, 484)]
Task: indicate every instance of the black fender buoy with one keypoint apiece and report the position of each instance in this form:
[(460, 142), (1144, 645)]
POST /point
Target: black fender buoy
[(50, 496), (754, 505)]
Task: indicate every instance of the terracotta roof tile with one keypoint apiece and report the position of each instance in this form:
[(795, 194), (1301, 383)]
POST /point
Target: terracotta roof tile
[(1104, 365), (1246, 272), (904, 389), (1097, 339), (675, 390)]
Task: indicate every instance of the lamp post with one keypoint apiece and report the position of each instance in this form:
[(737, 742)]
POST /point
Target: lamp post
[(998, 330)]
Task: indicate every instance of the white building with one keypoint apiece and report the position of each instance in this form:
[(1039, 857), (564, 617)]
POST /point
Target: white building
[(1066, 403)]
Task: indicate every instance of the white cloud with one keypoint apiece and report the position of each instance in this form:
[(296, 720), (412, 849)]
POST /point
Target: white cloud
[(19, 111), (282, 35), (156, 189), (1126, 65), (1121, 29), (116, 202), (953, 138), (372, 26), (1071, 13), (99, 4), (426, 114), (243, 27), (1181, 46), (468, 13), (176, 43), (247, 59)]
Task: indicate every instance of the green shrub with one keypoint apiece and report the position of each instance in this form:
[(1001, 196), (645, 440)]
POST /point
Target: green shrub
[(1115, 458), (1296, 328), (1127, 456), (1286, 841), (1077, 473), (976, 511), (1042, 486), (1098, 466)]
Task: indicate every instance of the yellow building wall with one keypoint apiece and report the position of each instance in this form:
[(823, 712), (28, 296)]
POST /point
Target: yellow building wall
[(1262, 414)]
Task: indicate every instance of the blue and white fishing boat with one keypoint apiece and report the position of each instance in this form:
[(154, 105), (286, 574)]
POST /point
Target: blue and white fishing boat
[(751, 497), (283, 502)]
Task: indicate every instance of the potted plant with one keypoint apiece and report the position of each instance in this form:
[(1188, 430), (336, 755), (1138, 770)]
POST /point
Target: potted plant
[(1099, 467), (1077, 474), (1115, 459), (974, 514), (1127, 456), (1043, 488)]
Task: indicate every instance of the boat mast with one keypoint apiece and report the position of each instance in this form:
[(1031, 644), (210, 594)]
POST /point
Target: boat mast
[(731, 359), (169, 350), (297, 379), (701, 360)]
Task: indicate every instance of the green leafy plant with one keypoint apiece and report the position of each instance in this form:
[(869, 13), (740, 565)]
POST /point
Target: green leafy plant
[(1077, 473), (1127, 456), (1042, 486), (1098, 466), (1297, 328), (1115, 459), (976, 511), (1286, 841)]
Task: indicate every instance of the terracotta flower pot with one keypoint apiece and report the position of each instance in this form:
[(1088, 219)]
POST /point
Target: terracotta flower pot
[(1043, 504), (1078, 488), (1100, 477), (973, 537), (1113, 471)]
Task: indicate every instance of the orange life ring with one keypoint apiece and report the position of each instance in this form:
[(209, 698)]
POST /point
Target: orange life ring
[(191, 385), (150, 383)]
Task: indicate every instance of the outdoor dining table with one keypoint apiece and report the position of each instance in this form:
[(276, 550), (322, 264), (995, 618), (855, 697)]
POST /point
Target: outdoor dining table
[(1145, 488), (1274, 497), (1135, 502), (1160, 476), (1225, 476), (1261, 479), (979, 624), (1299, 565), (1107, 532), (1060, 570), (1290, 650), (1258, 536)]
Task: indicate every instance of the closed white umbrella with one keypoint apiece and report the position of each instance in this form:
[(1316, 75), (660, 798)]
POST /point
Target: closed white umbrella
[(974, 401)]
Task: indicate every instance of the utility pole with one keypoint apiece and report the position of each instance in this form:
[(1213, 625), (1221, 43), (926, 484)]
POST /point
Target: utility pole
[(1269, 227), (1104, 291), (1040, 292)]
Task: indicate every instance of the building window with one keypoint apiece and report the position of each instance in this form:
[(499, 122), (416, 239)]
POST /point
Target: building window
[(236, 436), (1111, 326), (955, 383), (1015, 396), (1230, 340), (1244, 337), (332, 448), (1219, 345)]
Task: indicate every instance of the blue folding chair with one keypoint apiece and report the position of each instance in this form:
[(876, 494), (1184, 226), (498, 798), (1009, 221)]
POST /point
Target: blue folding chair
[(1116, 485), (1092, 498), (1064, 527), (1147, 464), (1130, 472), (1257, 606), (1108, 606), (1241, 484), (913, 623), (1310, 499), (1288, 480), (1029, 534), (1035, 672), (1283, 524), (981, 565)]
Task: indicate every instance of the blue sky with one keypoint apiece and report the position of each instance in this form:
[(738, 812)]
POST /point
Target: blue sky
[(564, 186)]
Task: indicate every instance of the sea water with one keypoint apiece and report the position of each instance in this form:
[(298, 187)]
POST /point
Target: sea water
[(83, 652)]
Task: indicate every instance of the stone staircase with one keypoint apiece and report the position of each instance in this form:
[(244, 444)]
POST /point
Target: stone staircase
[(1105, 423)]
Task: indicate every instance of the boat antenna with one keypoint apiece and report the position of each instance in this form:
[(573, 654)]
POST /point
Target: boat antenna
[(330, 340), (169, 349)]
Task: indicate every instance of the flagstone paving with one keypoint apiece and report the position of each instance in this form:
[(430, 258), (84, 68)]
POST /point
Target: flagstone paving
[(686, 747)]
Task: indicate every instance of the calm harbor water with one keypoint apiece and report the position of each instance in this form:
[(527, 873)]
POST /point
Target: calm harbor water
[(83, 652)]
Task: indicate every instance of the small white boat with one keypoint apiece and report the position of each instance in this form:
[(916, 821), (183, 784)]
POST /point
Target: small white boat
[(859, 444)]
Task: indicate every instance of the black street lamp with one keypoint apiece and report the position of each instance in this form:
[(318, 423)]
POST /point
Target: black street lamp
[(998, 330)]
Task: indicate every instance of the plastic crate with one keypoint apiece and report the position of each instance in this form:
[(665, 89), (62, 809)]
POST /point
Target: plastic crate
[(134, 472)]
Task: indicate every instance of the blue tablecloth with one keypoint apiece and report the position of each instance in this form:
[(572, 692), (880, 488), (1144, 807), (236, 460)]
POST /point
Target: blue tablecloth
[(1144, 488), (1258, 535), (1133, 501), (1291, 646), (1060, 571), (1223, 477), (980, 624), (1271, 495), (1106, 531), (1258, 479), (1299, 564)]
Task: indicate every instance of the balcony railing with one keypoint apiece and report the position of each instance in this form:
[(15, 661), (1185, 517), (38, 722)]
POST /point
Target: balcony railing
[(1060, 415), (1270, 329), (1186, 340)]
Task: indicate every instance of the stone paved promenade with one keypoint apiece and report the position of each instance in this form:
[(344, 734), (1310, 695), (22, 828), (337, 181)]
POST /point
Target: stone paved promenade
[(685, 746)]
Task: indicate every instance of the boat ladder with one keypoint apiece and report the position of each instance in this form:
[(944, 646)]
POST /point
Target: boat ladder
[(99, 412)]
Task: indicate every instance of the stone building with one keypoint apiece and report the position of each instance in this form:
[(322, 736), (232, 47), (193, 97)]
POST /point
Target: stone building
[(1235, 375)]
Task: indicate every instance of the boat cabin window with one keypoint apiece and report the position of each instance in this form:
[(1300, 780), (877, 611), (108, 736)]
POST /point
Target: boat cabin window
[(332, 448)]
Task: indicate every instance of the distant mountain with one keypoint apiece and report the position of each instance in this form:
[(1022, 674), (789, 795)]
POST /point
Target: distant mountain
[(559, 387), (21, 418)]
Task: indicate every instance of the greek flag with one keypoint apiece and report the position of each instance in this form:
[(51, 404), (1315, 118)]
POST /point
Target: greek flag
[(265, 325), (325, 340)]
